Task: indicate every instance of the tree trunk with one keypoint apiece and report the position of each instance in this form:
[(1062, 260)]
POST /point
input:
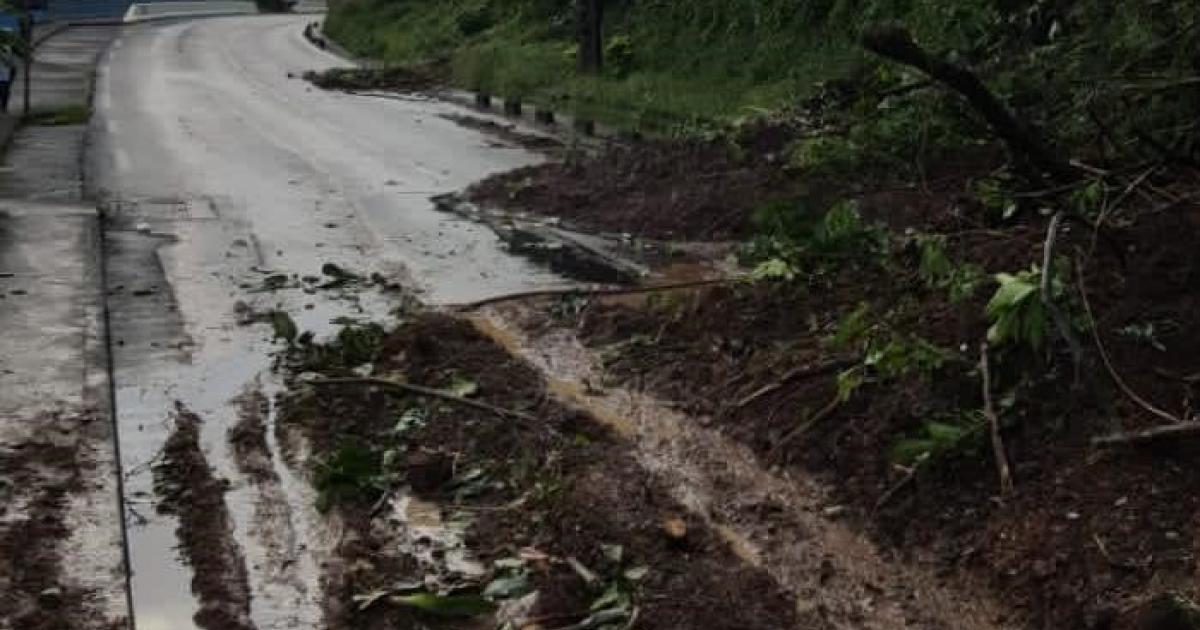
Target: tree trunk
[(589, 21)]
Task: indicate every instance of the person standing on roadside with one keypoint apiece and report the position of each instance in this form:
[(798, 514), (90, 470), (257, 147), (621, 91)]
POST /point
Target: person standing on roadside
[(8, 74)]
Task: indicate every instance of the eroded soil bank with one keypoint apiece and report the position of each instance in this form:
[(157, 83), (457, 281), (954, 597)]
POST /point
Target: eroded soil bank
[(862, 367), (561, 527)]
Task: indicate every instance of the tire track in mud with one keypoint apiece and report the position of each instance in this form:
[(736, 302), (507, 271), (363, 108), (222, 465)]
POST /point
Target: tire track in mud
[(272, 522), (190, 490)]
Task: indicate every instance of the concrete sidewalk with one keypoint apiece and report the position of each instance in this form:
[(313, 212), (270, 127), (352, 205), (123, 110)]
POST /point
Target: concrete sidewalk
[(61, 541), (45, 162)]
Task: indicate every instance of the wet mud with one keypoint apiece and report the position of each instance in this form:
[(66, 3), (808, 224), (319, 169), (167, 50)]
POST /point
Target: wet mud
[(693, 190), (549, 488), (786, 524), (189, 489), (38, 477), (1091, 535)]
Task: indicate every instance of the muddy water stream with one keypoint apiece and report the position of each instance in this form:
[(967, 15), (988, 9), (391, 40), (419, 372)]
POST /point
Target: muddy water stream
[(773, 520)]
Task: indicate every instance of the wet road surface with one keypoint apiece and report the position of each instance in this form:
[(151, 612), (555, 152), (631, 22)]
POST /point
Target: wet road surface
[(217, 170)]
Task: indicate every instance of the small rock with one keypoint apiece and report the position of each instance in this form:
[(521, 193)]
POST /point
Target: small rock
[(427, 471), (675, 528), (50, 598)]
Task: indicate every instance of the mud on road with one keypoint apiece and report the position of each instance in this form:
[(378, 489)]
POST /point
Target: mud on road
[(40, 480), (189, 489), (562, 526)]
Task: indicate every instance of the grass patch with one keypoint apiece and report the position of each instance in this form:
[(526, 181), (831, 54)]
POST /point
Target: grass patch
[(70, 115)]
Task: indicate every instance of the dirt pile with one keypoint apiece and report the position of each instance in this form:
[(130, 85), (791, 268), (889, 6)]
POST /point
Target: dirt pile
[(1090, 535), (411, 78), (37, 478), (567, 527), (693, 190)]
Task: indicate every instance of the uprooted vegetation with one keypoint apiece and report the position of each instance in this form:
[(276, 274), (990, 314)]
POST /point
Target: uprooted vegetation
[(483, 499)]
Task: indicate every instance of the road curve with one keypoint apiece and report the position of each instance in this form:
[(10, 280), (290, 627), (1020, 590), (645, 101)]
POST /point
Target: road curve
[(214, 109), (217, 170)]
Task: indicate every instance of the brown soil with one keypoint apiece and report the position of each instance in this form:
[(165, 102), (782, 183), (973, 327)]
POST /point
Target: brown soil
[(189, 489), (1089, 537), (413, 78), (697, 190), (249, 438), (37, 477), (507, 133), (557, 486)]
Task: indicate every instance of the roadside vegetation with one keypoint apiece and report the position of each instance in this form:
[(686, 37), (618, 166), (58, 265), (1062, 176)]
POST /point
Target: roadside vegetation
[(968, 234)]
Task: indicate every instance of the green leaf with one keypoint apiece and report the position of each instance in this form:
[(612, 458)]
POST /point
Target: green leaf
[(613, 553), (449, 606), (508, 587), (636, 574), (848, 382), (463, 387), (614, 597), (285, 327)]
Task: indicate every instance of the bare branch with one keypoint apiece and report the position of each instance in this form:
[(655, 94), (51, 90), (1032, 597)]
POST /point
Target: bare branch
[(998, 452), (421, 391), (895, 43)]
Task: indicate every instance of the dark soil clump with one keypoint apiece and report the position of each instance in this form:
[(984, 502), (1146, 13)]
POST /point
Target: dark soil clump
[(507, 133), (189, 489), (249, 438), (693, 190), (1089, 536), (40, 475), (412, 78)]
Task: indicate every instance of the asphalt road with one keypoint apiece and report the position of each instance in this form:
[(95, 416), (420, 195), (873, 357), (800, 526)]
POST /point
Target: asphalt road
[(205, 110), (218, 169)]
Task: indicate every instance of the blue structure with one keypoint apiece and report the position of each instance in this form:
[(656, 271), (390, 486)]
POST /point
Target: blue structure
[(86, 9)]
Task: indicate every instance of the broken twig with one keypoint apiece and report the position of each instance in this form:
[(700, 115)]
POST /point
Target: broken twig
[(1149, 436), (895, 43), (795, 374), (1060, 319), (1112, 371), (529, 295), (803, 427), (422, 391), (998, 452)]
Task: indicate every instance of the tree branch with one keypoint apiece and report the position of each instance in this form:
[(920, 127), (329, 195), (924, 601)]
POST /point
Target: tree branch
[(998, 452), (409, 388), (895, 43)]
